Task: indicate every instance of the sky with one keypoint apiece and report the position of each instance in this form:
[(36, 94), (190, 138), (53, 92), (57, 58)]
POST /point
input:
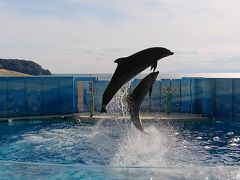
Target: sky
[(86, 36)]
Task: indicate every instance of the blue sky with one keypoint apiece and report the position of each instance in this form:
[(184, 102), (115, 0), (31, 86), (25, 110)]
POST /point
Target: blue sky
[(77, 36)]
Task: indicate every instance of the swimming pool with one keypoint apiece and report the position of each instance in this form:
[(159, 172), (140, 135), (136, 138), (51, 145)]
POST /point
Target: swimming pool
[(66, 149)]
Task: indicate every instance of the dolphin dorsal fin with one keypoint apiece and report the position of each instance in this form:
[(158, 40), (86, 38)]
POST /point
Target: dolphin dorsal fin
[(119, 60)]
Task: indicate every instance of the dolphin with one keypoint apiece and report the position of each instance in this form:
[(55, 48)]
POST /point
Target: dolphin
[(128, 67), (135, 98)]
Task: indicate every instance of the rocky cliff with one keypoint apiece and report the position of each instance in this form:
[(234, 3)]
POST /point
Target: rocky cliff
[(23, 66)]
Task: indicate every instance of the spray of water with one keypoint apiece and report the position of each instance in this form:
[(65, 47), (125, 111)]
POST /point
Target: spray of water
[(159, 148), (116, 108), (118, 105), (139, 149), (102, 133)]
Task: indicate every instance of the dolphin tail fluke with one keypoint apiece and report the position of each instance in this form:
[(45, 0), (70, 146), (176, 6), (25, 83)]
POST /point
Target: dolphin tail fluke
[(103, 110)]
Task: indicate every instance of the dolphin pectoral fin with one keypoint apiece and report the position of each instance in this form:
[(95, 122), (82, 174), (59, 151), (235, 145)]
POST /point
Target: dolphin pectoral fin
[(150, 91), (154, 66)]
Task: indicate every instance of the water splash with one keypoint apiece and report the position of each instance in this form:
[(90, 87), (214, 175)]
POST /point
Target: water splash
[(118, 105), (116, 108), (160, 148)]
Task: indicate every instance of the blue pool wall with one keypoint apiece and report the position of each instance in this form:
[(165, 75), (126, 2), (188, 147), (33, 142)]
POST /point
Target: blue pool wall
[(209, 97), (37, 96), (54, 95)]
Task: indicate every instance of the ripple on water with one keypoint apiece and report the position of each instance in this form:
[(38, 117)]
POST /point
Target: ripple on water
[(235, 139), (119, 143)]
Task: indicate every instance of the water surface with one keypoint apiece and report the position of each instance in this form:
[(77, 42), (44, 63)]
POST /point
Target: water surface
[(116, 149)]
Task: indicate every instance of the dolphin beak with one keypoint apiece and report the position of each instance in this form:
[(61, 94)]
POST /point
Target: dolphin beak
[(171, 53)]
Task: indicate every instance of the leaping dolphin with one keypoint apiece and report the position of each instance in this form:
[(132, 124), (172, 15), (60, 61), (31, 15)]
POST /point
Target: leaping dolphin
[(130, 66), (135, 98)]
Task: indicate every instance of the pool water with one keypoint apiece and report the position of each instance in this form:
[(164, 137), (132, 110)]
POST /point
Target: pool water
[(66, 149)]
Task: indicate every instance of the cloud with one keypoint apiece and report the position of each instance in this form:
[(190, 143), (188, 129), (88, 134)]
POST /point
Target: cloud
[(202, 62), (87, 36)]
